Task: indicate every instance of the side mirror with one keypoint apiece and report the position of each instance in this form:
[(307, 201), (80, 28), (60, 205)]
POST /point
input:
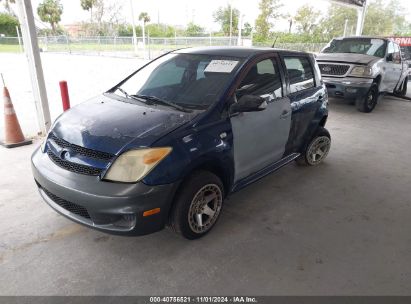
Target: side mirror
[(390, 57), (248, 103)]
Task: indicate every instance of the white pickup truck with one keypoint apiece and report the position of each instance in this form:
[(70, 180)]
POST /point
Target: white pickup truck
[(363, 68)]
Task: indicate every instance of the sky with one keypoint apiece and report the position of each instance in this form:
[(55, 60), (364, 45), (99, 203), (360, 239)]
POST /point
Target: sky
[(180, 12)]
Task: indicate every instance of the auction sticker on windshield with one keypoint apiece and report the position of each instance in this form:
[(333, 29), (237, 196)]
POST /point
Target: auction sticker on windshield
[(221, 66)]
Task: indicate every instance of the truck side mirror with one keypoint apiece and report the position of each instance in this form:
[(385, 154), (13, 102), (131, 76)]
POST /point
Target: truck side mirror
[(390, 57), (248, 103)]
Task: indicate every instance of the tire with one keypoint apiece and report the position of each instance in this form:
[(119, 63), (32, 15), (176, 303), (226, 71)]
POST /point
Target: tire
[(319, 145), (403, 90), (192, 216), (367, 104)]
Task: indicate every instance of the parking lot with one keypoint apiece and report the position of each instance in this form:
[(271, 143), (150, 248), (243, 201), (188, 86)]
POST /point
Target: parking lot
[(342, 228)]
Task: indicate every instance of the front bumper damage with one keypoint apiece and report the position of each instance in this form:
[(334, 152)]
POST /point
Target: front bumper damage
[(115, 208), (348, 87)]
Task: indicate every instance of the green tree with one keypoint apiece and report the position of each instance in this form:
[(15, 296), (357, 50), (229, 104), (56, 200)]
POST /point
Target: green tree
[(385, 19), (333, 25), (50, 11), (269, 10), (8, 25), (247, 29), (306, 19), (88, 5), (160, 30), (223, 15), (193, 29), (127, 30)]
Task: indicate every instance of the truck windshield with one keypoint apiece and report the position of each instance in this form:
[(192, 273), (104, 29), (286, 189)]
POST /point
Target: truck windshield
[(366, 46), (188, 80), (406, 51)]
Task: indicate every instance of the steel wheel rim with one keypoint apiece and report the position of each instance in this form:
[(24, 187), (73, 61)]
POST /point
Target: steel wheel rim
[(370, 99), (205, 208), (318, 150)]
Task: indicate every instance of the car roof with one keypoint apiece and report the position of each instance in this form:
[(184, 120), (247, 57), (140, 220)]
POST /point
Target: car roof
[(362, 37), (234, 51)]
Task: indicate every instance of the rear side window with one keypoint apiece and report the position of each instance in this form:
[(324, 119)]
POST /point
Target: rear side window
[(300, 73), (263, 79)]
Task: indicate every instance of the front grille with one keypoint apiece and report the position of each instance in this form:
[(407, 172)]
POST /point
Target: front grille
[(69, 206), (73, 167), (80, 150), (334, 69)]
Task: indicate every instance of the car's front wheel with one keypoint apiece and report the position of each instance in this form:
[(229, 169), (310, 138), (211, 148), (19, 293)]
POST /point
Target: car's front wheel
[(198, 205), (317, 149), (367, 104)]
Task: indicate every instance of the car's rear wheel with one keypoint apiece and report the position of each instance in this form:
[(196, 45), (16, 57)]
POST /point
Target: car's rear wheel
[(367, 104), (317, 149), (198, 205)]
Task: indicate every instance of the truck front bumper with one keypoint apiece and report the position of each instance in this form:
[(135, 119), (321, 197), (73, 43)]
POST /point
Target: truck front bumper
[(115, 208), (348, 87)]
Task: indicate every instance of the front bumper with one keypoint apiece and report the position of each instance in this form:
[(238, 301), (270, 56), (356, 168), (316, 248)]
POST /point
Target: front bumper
[(347, 87), (115, 208)]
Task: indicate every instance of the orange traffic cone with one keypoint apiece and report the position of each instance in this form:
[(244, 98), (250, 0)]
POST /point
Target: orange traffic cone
[(13, 136)]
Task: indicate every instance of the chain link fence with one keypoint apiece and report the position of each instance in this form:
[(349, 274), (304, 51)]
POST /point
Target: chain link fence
[(125, 47)]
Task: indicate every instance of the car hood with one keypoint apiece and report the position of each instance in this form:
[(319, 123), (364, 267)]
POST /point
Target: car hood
[(108, 125), (346, 57)]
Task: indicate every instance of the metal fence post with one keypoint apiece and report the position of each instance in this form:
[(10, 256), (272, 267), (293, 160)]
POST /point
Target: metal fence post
[(67, 43), (19, 38)]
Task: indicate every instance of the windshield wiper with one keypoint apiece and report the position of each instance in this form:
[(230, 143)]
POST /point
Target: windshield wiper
[(156, 99), (130, 96)]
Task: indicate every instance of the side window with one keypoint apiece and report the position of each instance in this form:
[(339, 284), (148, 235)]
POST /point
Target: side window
[(397, 54), (263, 79), (300, 73)]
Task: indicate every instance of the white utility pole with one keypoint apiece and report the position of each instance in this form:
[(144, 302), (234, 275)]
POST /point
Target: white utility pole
[(345, 27), (240, 28), (31, 48), (144, 38), (134, 28), (360, 19), (231, 21)]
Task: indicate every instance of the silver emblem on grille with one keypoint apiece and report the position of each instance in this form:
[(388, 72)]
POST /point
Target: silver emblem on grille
[(327, 69), (64, 154)]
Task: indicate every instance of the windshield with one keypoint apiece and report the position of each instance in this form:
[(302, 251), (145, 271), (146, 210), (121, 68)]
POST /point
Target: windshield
[(366, 46), (188, 80)]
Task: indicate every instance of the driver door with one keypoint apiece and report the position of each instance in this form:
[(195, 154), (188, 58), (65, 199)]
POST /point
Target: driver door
[(260, 137)]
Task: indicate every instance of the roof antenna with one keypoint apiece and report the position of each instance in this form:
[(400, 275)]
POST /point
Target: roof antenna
[(274, 42), (2, 78)]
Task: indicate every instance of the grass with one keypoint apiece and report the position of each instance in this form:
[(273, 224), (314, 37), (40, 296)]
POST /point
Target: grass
[(9, 48)]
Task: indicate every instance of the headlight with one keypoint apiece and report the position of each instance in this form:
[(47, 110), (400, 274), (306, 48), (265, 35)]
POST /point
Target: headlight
[(361, 71), (132, 166)]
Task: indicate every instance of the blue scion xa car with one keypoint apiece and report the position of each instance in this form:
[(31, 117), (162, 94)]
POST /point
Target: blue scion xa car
[(167, 144)]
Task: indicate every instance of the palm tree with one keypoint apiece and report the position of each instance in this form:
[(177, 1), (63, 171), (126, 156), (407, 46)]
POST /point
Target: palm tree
[(145, 17)]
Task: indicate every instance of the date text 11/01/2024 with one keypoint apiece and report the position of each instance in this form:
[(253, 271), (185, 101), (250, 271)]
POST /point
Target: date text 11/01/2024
[(203, 299)]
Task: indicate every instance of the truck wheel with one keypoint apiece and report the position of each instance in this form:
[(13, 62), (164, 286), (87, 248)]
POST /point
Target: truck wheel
[(198, 205), (367, 104), (317, 149), (403, 90)]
